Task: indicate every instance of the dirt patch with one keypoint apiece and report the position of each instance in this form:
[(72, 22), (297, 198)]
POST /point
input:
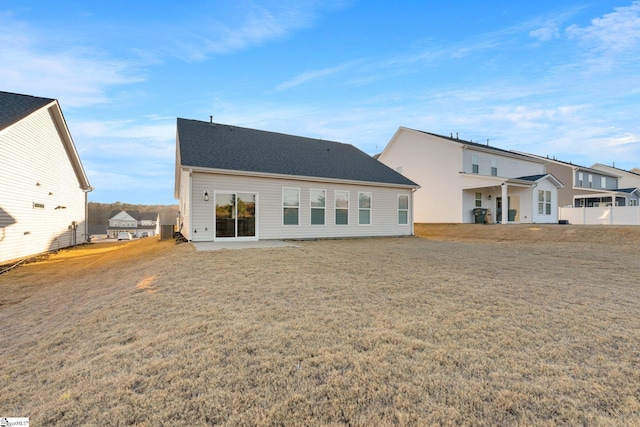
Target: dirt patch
[(398, 331)]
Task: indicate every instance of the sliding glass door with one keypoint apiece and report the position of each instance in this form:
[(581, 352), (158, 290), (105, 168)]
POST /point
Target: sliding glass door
[(236, 216)]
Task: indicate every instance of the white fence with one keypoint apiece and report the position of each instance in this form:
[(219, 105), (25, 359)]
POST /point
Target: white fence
[(610, 215)]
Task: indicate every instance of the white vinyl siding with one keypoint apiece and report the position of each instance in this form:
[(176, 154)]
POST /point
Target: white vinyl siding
[(42, 205), (269, 211)]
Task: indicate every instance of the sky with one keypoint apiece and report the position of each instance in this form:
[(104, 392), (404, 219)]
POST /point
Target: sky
[(558, 78)]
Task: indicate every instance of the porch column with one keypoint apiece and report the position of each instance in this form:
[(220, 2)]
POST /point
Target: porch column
[(505, 204)]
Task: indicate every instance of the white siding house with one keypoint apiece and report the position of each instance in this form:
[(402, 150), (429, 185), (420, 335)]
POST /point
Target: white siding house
[(627, 179), (457, 176), (236, 183), (43, 196)]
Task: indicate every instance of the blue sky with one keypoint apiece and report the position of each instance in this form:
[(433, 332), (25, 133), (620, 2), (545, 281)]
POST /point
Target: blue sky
[(557, 78)]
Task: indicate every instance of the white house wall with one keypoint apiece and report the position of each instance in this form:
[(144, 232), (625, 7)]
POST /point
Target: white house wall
[(434, 164), (39, 173), (384, 212), (507, 166)]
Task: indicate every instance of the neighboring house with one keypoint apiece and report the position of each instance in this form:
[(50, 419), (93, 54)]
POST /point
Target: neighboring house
[(43, 186), (589, 187), (457, 176), (627, 179), (134, 222), (235, 183)]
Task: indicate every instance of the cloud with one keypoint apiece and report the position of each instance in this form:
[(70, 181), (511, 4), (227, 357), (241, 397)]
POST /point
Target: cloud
[(78, 76), (548, 32), (618, 31), (308, 76), (257, 25)]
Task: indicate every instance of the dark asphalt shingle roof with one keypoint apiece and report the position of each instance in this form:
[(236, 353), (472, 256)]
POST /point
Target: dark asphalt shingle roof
[(14, 107), (532, 178), (220, 146)]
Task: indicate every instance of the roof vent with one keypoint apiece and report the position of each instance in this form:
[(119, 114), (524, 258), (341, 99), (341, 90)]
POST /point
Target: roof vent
[(211, 119)]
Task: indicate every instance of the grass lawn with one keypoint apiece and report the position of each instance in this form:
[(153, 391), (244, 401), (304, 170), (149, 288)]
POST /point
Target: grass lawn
[(470, 326)]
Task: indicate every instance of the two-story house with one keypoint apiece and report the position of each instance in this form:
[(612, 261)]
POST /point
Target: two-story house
[(457, 176), (589, 187), (626, 179), (135, 222)]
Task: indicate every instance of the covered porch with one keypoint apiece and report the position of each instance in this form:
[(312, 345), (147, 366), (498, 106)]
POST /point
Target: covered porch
[(505, 201)]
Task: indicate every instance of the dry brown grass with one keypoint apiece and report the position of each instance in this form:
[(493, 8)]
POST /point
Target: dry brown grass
[(404, 331)]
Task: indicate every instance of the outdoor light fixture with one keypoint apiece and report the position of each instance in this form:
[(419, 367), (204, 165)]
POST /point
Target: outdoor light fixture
[(489, 197), (206, 196)]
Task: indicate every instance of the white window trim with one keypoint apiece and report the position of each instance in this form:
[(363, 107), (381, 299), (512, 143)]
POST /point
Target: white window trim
[(475, 161), (297, 207), (324, 223), (335, 207), (398, 210), (370, 208)]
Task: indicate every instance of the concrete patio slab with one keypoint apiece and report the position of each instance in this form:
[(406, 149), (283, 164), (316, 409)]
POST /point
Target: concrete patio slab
[(260, 244)]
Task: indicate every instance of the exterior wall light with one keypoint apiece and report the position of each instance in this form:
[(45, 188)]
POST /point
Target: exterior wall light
[(489, 197), (206, 196)]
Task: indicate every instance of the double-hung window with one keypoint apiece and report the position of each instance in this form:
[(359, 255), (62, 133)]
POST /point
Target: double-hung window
[(478, 200), (403, 209), (342, 207), (580, 179), (494, 167), (544, 202), (603, 182), (475, 164), (318, 206), (364, 208), (290, 206)]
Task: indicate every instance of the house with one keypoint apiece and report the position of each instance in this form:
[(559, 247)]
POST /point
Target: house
[(626, 179), (589, 187), (134, 222), (236, 183), (458, 176), (43, 202)]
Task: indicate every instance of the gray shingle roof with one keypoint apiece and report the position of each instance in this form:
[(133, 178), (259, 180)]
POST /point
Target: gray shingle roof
[(14, 107), (219, 146), (532, 178)]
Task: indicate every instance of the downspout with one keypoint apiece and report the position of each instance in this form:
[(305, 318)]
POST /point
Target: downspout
[(413, 233), (191, 202), (86, 213)]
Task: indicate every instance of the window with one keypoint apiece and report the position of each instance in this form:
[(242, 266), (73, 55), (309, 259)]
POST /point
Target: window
[(290, 206), (475, 167), (403, 209), (633, 202), (478, 200), (603, 182), (364, 208), (318, 205), (590, 181), (494, 167), (342, 207), (38, 205), (544, 202), (580, 179)]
